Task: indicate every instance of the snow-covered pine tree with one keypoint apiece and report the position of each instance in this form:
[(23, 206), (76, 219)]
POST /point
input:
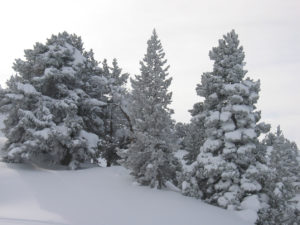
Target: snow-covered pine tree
[(181, 130), (191, 135), (278, 206), (117, 123), (195, 133), (5, 104), (48, 121), (282, 214), (231, 163), (283, 156), (281, 183), (150, 156)]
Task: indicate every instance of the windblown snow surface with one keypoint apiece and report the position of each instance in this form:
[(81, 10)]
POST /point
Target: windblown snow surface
[(30, 195)]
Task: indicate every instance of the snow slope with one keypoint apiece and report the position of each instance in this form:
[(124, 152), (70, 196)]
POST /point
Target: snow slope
[(97, 196)]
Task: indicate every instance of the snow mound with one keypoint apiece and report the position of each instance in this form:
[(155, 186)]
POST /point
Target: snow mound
[(102, 196), (92, 140), (251, 202)]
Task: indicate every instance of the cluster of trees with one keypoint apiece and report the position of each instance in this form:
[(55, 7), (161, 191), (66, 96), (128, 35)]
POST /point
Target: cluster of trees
[(66, 108), (63, 106)]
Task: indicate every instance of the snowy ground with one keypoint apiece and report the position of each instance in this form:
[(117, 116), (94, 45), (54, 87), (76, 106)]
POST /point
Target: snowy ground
[(97, 196)]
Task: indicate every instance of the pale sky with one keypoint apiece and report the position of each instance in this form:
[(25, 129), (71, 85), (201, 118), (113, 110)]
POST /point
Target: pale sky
[(269, 30)]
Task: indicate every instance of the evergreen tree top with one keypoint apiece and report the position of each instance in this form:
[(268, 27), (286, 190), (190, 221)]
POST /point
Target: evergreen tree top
[(279, 131), (154, 58), (229, 58), (63, 37), (153, 81), (58, 42), (59, 51)]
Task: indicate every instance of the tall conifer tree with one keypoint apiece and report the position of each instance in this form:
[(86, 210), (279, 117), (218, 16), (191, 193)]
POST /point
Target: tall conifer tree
[(231, 162), (150, 156)]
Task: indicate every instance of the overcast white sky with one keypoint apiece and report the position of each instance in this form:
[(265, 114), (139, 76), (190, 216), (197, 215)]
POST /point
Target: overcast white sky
[(269, 30)]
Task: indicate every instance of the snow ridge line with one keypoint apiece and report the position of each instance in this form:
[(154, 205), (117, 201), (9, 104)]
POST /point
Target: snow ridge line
[(28, 221)]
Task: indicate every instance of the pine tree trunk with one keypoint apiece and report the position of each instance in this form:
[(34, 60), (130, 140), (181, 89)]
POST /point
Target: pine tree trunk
[(67, 159)]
